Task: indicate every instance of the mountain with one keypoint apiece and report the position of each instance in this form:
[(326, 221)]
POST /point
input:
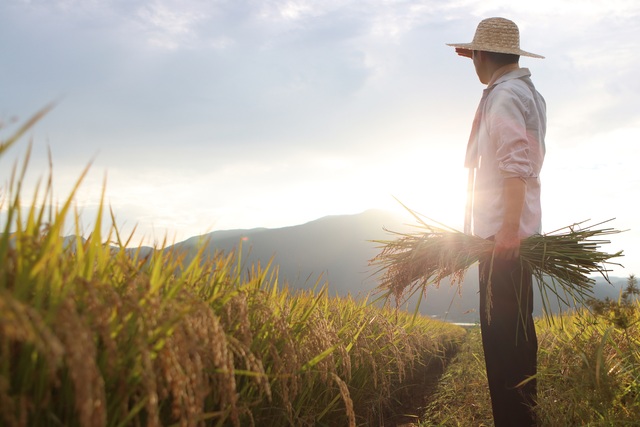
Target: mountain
[(336, 249)]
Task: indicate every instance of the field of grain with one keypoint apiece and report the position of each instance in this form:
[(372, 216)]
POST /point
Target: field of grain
[(95, 333), (588, 373)]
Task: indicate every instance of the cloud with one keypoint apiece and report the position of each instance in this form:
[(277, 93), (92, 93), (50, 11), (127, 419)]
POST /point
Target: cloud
[(168, 27), (202, 71)]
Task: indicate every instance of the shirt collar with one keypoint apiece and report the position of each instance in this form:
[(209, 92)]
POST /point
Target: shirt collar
[(503, 74)]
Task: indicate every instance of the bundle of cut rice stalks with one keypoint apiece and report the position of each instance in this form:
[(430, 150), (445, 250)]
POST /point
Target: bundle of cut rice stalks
[(563, 262)]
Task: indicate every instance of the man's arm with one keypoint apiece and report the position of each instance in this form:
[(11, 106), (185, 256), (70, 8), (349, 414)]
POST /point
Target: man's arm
[(507, 239)]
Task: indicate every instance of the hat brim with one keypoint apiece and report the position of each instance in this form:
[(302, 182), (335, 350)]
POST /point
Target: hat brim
[(496, 49)]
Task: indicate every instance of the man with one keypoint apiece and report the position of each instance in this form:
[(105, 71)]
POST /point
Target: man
[(504, 156)]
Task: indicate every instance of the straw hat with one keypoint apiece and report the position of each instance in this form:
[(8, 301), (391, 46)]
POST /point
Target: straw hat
[(496, 35)]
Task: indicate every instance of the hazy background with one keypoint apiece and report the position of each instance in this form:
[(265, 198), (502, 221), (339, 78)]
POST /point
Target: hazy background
[(210, 115)]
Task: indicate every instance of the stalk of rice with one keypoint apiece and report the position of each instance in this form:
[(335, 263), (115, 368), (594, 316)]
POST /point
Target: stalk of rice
[(563, 261)]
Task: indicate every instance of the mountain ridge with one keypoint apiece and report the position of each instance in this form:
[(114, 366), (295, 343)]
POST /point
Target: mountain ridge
[(336, 247)]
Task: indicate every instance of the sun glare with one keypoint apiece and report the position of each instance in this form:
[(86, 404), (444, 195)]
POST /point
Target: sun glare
[(434, 188)]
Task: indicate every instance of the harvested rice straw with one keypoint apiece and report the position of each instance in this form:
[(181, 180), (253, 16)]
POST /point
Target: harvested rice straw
[(561, 261)]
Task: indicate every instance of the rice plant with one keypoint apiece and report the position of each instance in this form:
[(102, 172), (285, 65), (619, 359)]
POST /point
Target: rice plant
[(589, 371), (588, 375), (97, 332)]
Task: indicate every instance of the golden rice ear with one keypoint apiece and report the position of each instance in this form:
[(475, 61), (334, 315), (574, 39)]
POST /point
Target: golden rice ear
[(346, 398)]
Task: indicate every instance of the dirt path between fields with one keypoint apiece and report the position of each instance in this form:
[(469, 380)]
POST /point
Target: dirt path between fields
[(418, 394)]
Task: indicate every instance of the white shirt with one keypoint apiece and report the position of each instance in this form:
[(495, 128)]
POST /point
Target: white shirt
[(507, 140)]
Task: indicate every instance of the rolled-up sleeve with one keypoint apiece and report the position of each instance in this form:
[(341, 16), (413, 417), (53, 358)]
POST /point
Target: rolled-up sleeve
[(508, 132)]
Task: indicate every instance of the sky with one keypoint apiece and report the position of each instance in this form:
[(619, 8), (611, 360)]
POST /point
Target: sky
[(204, 115)]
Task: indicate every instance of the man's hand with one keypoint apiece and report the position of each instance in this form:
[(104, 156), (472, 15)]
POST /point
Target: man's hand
[(507, 244), (467, 53)]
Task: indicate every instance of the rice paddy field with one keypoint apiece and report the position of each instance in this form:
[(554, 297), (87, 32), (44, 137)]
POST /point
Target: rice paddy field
[(96, 333), (93, 336), (588, 374), (93, 333)]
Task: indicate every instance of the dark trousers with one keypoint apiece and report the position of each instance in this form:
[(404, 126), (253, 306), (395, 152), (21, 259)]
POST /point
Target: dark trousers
[(509, 341)]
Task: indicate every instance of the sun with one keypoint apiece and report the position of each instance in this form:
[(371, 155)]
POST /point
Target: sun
[(436, 190)]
